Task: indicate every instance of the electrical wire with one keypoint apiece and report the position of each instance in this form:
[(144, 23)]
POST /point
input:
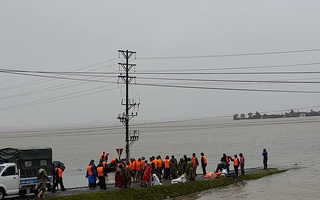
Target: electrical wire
[(236, 68), (230, 89), (227, 55), (45, 79), (58, 98), (228, 80)]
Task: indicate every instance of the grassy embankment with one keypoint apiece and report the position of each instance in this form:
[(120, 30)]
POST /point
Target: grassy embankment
[(165, 191)]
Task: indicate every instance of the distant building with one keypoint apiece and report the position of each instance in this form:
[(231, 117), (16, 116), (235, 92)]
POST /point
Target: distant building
[(302, 114)]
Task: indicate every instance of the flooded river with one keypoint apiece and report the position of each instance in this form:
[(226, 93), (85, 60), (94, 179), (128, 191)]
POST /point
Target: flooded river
[(292, 143)]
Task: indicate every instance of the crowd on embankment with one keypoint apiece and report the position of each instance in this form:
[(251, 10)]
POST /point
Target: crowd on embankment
[(152, 171)]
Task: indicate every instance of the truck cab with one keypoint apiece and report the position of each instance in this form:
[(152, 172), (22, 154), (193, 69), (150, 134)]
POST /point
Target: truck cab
[(9, 179)]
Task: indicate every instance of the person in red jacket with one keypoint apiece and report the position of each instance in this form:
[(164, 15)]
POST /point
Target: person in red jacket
[(147, 174)]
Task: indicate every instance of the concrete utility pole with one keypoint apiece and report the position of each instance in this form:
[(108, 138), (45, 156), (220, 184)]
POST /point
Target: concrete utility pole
[(131, 136)]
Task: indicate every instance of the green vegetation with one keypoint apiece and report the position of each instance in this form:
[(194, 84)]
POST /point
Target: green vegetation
[(164, 191)]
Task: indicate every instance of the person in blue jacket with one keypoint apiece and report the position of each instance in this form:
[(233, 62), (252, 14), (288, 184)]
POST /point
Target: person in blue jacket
[(265, 159), (92, 175)]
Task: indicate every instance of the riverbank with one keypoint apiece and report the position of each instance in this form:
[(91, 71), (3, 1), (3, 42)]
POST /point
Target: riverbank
[(167, 190)]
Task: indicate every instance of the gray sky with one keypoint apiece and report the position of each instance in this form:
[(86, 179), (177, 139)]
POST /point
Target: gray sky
[(69, 35)]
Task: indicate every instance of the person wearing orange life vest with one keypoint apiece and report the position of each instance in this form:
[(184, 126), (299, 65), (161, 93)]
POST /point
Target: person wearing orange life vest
[(102, 156), (101, 171), (58, 176), (235, 164), (203, 163), (133, 168), (138, 170), (195, 163), (92, 175), (159, 167), (166, 168), (153, 164)]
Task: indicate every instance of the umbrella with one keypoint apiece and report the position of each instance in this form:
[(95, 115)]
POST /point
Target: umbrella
[(56, 163)]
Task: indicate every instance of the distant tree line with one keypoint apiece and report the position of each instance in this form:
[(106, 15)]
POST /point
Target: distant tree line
[(292, 113)]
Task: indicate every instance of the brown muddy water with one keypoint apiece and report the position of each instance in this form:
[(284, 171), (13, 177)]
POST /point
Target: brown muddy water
[(292, 143)]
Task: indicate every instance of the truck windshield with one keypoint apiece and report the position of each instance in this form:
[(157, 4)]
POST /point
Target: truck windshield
[(1, 168)]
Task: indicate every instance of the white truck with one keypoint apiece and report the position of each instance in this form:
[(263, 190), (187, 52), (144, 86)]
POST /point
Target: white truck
[(19, 169)]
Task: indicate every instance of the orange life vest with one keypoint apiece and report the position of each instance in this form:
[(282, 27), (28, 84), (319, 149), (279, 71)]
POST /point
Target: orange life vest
[(236, 162), (133, 165), (204, 159), (227, 159), (138, 165), (104, 163), (89, 169), (143, 162), (100, 171), (59, 172), (159, 163), (166, 163), (194, 160), (155, 162)]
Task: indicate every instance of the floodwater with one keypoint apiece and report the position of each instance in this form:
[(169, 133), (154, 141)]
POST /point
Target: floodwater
[(292, 143)]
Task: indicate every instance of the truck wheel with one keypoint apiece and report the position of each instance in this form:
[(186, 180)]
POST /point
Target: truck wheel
[(22, 193), (2, 194)]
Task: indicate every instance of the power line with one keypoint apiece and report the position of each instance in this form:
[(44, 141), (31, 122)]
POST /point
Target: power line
[(239, 68), (230, 73), (45, 79), (230, 89), (228, 80), (102, 74), (58, 98), (48, 89), (53, 77), (227, 55)]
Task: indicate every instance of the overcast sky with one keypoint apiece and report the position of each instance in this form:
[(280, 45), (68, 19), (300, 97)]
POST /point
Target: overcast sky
[(70, 35)]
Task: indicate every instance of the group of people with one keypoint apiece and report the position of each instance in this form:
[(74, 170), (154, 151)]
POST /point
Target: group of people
[(43, 178), (99, 172), (224, 164), (146, 171)]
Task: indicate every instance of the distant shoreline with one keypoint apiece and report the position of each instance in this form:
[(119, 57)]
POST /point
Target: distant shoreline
[(290, 114)]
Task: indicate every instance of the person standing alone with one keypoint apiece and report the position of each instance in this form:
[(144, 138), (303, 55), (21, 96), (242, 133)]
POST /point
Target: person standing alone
[(203, 163), (265, 159), (241, 163)]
